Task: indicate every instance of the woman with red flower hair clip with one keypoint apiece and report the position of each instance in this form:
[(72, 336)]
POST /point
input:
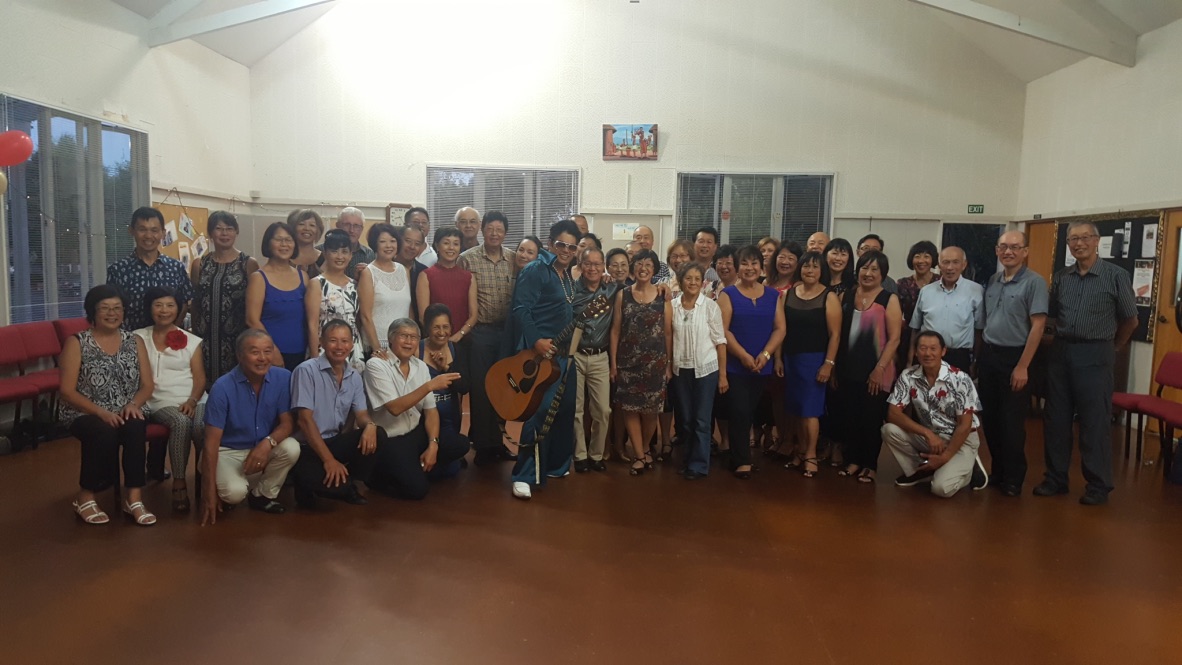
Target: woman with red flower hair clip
[(178, 374)]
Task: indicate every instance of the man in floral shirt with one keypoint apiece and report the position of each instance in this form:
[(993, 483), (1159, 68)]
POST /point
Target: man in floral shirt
[(938, 441)]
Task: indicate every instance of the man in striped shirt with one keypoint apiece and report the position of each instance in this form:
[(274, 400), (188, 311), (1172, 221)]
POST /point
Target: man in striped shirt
[(1094, 312)]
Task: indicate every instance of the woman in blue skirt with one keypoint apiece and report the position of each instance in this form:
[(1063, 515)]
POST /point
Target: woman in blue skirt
[(812, 313)]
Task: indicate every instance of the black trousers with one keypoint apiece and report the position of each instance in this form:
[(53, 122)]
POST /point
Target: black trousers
[(308, 472), (399, 472), (743, 397), (1079, 381), (858, 417), (959, 358), (484, 350), (100, 452), (1004, 415)]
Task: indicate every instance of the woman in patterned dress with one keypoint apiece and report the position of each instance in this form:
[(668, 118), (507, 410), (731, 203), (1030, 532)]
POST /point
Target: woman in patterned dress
[(921, 258), (332, 295), (219, 296), (309, 227), (106, 383), (641, 345)]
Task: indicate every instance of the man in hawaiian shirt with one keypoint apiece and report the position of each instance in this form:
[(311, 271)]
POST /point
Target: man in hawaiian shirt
[(938, 441)]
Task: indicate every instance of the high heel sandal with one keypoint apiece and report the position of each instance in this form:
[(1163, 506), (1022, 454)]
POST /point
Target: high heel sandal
[(648, 462), (180, 500), (805, 467), (849, 470), (666, 453), (637, 470), (796, 461), (145, 518), (97, 517)]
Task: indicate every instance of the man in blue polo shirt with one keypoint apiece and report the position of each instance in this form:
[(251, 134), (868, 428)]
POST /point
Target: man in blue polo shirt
[(340, 441), (248, 426)]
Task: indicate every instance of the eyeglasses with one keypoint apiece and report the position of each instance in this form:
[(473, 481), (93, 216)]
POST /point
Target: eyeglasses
[(558, 244), (1011, 248), (589, 264), (1083, 238), (406, 337), (117, 309)]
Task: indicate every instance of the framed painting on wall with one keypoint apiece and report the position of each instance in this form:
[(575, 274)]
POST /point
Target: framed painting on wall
[(629, 142)]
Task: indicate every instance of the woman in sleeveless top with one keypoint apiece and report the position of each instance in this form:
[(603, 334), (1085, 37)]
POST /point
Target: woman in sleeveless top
[(448, 283), (275, 298), (219, 296), (383, 289), (640, 345), (839, 277), (106, 383), (812, 318), (439, 353), (178, 379), (308, 226), (332, 295), (870, 326), (780, 274), (754, 323)]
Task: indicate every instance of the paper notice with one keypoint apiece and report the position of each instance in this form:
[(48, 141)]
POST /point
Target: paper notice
[(1106, 247)]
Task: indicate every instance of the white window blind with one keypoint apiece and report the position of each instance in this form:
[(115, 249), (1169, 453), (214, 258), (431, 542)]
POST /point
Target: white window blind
[(532, 199), (68, 207), (747, 207)]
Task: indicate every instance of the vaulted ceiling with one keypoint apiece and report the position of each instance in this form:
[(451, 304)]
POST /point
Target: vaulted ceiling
[(1029, 46)]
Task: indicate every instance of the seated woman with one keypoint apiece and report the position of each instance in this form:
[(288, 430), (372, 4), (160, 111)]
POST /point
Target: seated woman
[(402, 393), (439, 353), (105, 386), (178, 377)]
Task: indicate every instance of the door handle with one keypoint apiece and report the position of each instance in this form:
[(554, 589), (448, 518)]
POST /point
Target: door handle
[(1161, 318)]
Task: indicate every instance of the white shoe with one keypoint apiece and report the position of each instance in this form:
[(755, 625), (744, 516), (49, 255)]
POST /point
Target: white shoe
[(522, 491)]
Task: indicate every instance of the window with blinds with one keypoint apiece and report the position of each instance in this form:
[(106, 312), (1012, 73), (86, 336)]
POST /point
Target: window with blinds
[(747, 207), (68, 207), (532, 199)]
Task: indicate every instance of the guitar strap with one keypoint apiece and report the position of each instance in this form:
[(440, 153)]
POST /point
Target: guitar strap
[(554, 406)]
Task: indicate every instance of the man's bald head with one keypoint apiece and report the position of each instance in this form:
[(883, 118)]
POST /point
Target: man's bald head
[(468, 222), (643, 237), (817, 242), (581, 222)]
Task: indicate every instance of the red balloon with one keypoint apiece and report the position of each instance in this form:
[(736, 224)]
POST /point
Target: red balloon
[(15, 148)]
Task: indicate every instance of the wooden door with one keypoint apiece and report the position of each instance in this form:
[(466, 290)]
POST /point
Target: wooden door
[(1040, 237), (1166, 336)]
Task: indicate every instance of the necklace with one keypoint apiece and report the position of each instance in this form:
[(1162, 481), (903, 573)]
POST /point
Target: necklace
[(565, 279)]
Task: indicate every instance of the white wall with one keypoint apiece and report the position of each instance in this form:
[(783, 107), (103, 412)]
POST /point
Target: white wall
[(1103, 138), (89, 58), (913, 119)]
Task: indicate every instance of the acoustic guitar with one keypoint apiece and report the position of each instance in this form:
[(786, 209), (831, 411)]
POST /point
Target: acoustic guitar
[(516, 385)]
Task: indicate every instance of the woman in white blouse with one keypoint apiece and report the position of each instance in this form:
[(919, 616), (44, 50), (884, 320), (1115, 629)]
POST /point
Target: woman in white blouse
[(179, 378), (699, 366), (383, 288)]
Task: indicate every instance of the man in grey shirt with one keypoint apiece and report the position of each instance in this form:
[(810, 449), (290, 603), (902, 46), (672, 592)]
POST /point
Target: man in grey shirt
[(1094, 312), (1015, 316), (593, 390)]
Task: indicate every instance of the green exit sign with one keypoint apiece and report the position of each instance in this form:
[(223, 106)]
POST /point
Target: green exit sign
[(976, 210)]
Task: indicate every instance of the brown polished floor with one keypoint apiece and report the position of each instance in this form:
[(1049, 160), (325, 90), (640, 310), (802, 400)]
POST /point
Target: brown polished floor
[(601, 568)]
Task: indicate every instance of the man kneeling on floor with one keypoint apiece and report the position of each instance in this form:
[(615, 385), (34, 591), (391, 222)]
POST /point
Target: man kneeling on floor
[(402, 392), (340, 443), (248, 426), (939, 442)]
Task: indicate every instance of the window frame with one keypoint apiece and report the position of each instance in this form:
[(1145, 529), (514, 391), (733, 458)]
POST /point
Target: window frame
[(778, 200)]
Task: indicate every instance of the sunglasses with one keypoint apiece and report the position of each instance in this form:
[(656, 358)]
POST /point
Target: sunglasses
[(558, 244)]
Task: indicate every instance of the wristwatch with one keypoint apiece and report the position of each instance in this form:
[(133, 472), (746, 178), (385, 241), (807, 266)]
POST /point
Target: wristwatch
[(273, 441), (435, 439)]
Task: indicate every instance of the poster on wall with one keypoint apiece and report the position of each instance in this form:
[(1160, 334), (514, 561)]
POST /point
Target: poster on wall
[(1143, 281), (184, 232), (629, 142), (624, 230)]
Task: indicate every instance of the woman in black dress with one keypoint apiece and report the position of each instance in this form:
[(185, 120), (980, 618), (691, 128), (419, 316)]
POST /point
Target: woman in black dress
[(219, 296)]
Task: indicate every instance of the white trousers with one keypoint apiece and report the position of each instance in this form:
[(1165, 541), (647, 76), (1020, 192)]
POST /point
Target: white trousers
[(234, 483), (949, 478)]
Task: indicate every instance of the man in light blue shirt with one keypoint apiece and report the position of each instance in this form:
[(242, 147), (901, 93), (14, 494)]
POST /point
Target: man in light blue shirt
[(339, 441), (953, 307)]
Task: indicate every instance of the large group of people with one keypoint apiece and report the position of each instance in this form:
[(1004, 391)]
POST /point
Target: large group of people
[(339, 363)]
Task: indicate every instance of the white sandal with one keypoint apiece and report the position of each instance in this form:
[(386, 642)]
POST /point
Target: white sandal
[(145, 519), (97, 517)]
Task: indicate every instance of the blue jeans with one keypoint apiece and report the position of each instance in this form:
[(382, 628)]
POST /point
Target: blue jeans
[(695, 405)]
